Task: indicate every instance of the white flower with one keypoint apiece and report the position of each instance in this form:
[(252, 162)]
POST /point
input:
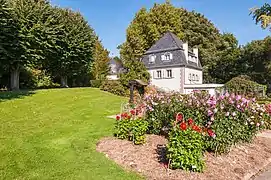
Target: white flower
[(215, 110), (194, 167), (258, 124), (252, 117), (251, 123)]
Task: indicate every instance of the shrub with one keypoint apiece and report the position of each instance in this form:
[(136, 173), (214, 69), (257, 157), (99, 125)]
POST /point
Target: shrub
[(96, 83), (185, 147), (130, 126), (243, 85), (114, 87)]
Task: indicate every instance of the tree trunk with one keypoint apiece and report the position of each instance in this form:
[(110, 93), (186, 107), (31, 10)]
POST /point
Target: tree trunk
[(64, 82), (14, 79)]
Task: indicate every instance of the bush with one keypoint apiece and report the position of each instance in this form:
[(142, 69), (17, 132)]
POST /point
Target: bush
[(129, 126), (185, 147), (114, 87), (96, 83), (243, 85)]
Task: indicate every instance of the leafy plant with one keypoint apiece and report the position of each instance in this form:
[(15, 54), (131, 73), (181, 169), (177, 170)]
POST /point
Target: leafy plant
[(185, 147), (114, 87), (130, 126)]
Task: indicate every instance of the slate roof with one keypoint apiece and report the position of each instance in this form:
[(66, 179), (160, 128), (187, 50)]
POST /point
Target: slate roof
[(169, 43)]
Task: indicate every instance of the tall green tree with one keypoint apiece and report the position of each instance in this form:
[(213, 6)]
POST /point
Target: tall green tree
[(226, 68), (71, 46), (148, 26), (100, 65), (262, 15), (10, 47), (28, 19), (255, 60)]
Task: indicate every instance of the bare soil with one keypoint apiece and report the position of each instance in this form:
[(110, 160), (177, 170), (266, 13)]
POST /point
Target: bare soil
[(148, 159)]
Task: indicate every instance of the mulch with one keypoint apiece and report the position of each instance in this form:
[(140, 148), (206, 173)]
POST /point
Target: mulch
[(148, 159)]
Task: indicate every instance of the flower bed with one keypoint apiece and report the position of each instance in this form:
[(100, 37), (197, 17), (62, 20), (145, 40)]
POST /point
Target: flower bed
[(195, 123)]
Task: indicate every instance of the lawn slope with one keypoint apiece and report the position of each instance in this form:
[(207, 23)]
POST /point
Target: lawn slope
[(52, 134)]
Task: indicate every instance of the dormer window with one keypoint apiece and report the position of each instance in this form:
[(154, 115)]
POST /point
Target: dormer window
[(152, 59), (167, 57)]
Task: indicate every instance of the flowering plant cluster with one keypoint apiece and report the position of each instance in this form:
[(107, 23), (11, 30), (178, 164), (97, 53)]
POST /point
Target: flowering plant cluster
[(233, 118), (131, 125), (185, 146)]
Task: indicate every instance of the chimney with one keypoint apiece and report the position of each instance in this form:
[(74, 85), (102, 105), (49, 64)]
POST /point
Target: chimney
[(196, 52), (185, 48)]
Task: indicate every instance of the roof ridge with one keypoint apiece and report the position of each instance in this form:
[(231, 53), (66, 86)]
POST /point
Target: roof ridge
[(176, 39)]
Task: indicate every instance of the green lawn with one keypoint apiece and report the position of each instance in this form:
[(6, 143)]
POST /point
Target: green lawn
[(52, 134)]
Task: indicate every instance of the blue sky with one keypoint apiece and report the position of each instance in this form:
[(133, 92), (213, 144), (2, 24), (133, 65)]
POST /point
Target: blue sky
[(110, 18)]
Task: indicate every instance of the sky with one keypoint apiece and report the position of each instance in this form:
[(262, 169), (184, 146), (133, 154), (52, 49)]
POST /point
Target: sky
[(110, 18)]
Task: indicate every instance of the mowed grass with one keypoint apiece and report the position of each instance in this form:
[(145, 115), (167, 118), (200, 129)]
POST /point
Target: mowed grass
[(52, 134)]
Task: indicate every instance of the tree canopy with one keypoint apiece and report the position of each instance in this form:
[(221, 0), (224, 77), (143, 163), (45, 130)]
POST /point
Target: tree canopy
[(38, 35), (262, 15)]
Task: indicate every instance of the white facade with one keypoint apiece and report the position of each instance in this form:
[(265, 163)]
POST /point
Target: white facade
[(192, 76), (112, 77), (165, 81)]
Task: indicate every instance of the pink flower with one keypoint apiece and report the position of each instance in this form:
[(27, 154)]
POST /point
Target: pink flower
[(258, 124), (118, 117), (210, 113), (227, 114), (238, 97), (227, 94)]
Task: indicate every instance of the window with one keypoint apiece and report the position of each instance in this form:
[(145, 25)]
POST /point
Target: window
[(159, 74), (166, 57), (152, 59), (190, 77), (193, 77), (169, 73)]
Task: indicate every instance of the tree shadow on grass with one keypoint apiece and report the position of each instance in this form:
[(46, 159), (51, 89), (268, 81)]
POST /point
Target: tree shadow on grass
[(9, 95)]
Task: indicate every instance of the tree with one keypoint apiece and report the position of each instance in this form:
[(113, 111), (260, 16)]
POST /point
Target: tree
[(262, 15), (100, 66), (25, 19), (255, 60), (10, 47), (226, 68), (71, 46), (148, 26)]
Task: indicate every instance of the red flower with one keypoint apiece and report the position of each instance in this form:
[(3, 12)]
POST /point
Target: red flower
[(129, 117), (124, 115), (196, 128), (190, 121), (179, 117), (211, 133), (183, 126), (133, 112), (118, 117)]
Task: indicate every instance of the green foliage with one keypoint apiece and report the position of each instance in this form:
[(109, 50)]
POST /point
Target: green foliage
[(132, 128), (96, 83), (262, 15), (114, 87), (255, 61), (241, 85), (185, 150), (100, 66)]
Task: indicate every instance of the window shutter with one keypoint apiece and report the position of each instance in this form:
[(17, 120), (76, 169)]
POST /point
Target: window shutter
[(170, 56)]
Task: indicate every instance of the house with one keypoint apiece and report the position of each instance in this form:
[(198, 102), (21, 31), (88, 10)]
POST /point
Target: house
[(174, 67), (116, 67)]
